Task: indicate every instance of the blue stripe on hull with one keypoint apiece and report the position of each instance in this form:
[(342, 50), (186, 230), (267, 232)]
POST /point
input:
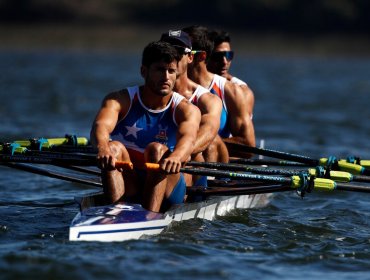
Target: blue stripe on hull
[(120, 230)]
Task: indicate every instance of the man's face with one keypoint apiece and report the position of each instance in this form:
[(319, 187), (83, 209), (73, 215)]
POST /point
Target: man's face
[(160, 77), (220, 64), (182, 66)]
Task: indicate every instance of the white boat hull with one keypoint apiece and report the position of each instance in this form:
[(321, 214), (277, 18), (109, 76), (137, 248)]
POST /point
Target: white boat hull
[(125, 221)]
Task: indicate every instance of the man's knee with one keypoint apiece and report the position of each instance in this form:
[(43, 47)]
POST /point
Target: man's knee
[(119, 150), (154, 152)]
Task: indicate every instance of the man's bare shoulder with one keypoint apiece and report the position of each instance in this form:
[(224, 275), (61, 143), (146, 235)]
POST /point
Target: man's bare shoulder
[(117, 95), (209, 99), (186, 110), (118, 101), (232, 90)]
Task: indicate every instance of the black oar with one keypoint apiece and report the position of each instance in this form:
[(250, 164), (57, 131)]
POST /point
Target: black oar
[(82, 169), (42, 159), (258, 161), (300, 183), (240, 190), (233, 189), (45, 172), (60, 159), (338, 176), (342, 165)]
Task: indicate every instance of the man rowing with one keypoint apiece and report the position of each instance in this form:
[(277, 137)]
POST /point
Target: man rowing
[(235, 123), (148, 123), (220, 63), (210, 105)]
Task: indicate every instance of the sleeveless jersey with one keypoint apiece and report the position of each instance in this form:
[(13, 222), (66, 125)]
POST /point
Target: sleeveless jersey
[(237, 81), (217, 87), (199, 91), (142, 125)]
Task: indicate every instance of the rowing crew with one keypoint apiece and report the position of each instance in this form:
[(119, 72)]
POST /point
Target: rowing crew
[(181, 112)]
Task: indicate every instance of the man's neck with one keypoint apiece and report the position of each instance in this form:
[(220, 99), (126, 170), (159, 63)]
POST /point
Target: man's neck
[(200, 75), (183, 86), (152, 100)]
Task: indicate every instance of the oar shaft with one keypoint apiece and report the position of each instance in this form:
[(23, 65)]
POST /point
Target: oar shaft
[(353, 188), (53, 174), (241, 167), (361, 178), (236, 190), (342, 165), (70, 160), (59, 159), (267, 162), (227, 174), (271, 153)]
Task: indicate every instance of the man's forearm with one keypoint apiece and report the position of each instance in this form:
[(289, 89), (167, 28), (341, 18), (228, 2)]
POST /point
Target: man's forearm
[(205, 136), (99, 136)]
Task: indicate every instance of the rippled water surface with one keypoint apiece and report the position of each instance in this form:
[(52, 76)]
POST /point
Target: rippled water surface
[(315, 106)]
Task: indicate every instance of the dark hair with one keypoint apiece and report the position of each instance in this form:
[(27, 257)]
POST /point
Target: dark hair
[(199, 38), (219, 36), (159, 51)]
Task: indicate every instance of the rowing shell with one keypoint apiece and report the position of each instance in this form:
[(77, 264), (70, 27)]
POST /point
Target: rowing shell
[(125, 221)]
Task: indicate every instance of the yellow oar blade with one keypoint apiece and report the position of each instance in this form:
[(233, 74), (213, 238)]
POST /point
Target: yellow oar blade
[(321, 184), (345, 166)]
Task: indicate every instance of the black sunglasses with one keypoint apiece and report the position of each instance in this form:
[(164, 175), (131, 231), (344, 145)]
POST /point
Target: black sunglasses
[(229, 55)]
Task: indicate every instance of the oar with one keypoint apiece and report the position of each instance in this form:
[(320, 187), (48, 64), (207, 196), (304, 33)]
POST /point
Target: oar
[(204, 192), (199, 191), (47, 143), (342, 164), (258, 161), (299, 183), (82, 169), (59, 159), (65, 160), (53, 174), (338, 176)]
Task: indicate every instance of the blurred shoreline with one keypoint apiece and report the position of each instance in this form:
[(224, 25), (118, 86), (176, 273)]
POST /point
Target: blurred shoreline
[(133, 38)]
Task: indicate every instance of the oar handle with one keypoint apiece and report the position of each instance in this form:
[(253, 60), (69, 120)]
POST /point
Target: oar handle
[(125, 165)]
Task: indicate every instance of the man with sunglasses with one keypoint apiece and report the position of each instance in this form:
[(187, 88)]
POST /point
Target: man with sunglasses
[(220, 63), (235, 123), (209, 104)]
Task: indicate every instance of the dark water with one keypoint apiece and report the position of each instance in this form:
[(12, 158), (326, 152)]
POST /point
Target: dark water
[(316, 106)]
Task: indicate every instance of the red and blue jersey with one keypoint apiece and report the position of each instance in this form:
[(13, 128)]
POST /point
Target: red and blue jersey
[(217, 87), (197, 94), (142, 125)]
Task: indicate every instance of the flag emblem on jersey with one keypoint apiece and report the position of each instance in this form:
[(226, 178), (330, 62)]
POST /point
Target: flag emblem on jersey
[(162, 134)]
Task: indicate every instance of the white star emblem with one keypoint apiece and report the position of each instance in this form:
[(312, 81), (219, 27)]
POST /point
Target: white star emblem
[(133, 130)]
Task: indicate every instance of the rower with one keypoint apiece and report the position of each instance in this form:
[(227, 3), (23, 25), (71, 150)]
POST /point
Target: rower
[(220, 63), (209, 104), (148, 123), (235, 124)]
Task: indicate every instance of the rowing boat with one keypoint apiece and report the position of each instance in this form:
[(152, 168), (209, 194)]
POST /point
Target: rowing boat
[(125, 221), (240, 190)]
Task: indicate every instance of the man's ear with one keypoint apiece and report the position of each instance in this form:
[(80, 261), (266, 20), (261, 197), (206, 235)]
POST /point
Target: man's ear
[(190, 58), (199, 57), (143, 71), (203, 55)]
